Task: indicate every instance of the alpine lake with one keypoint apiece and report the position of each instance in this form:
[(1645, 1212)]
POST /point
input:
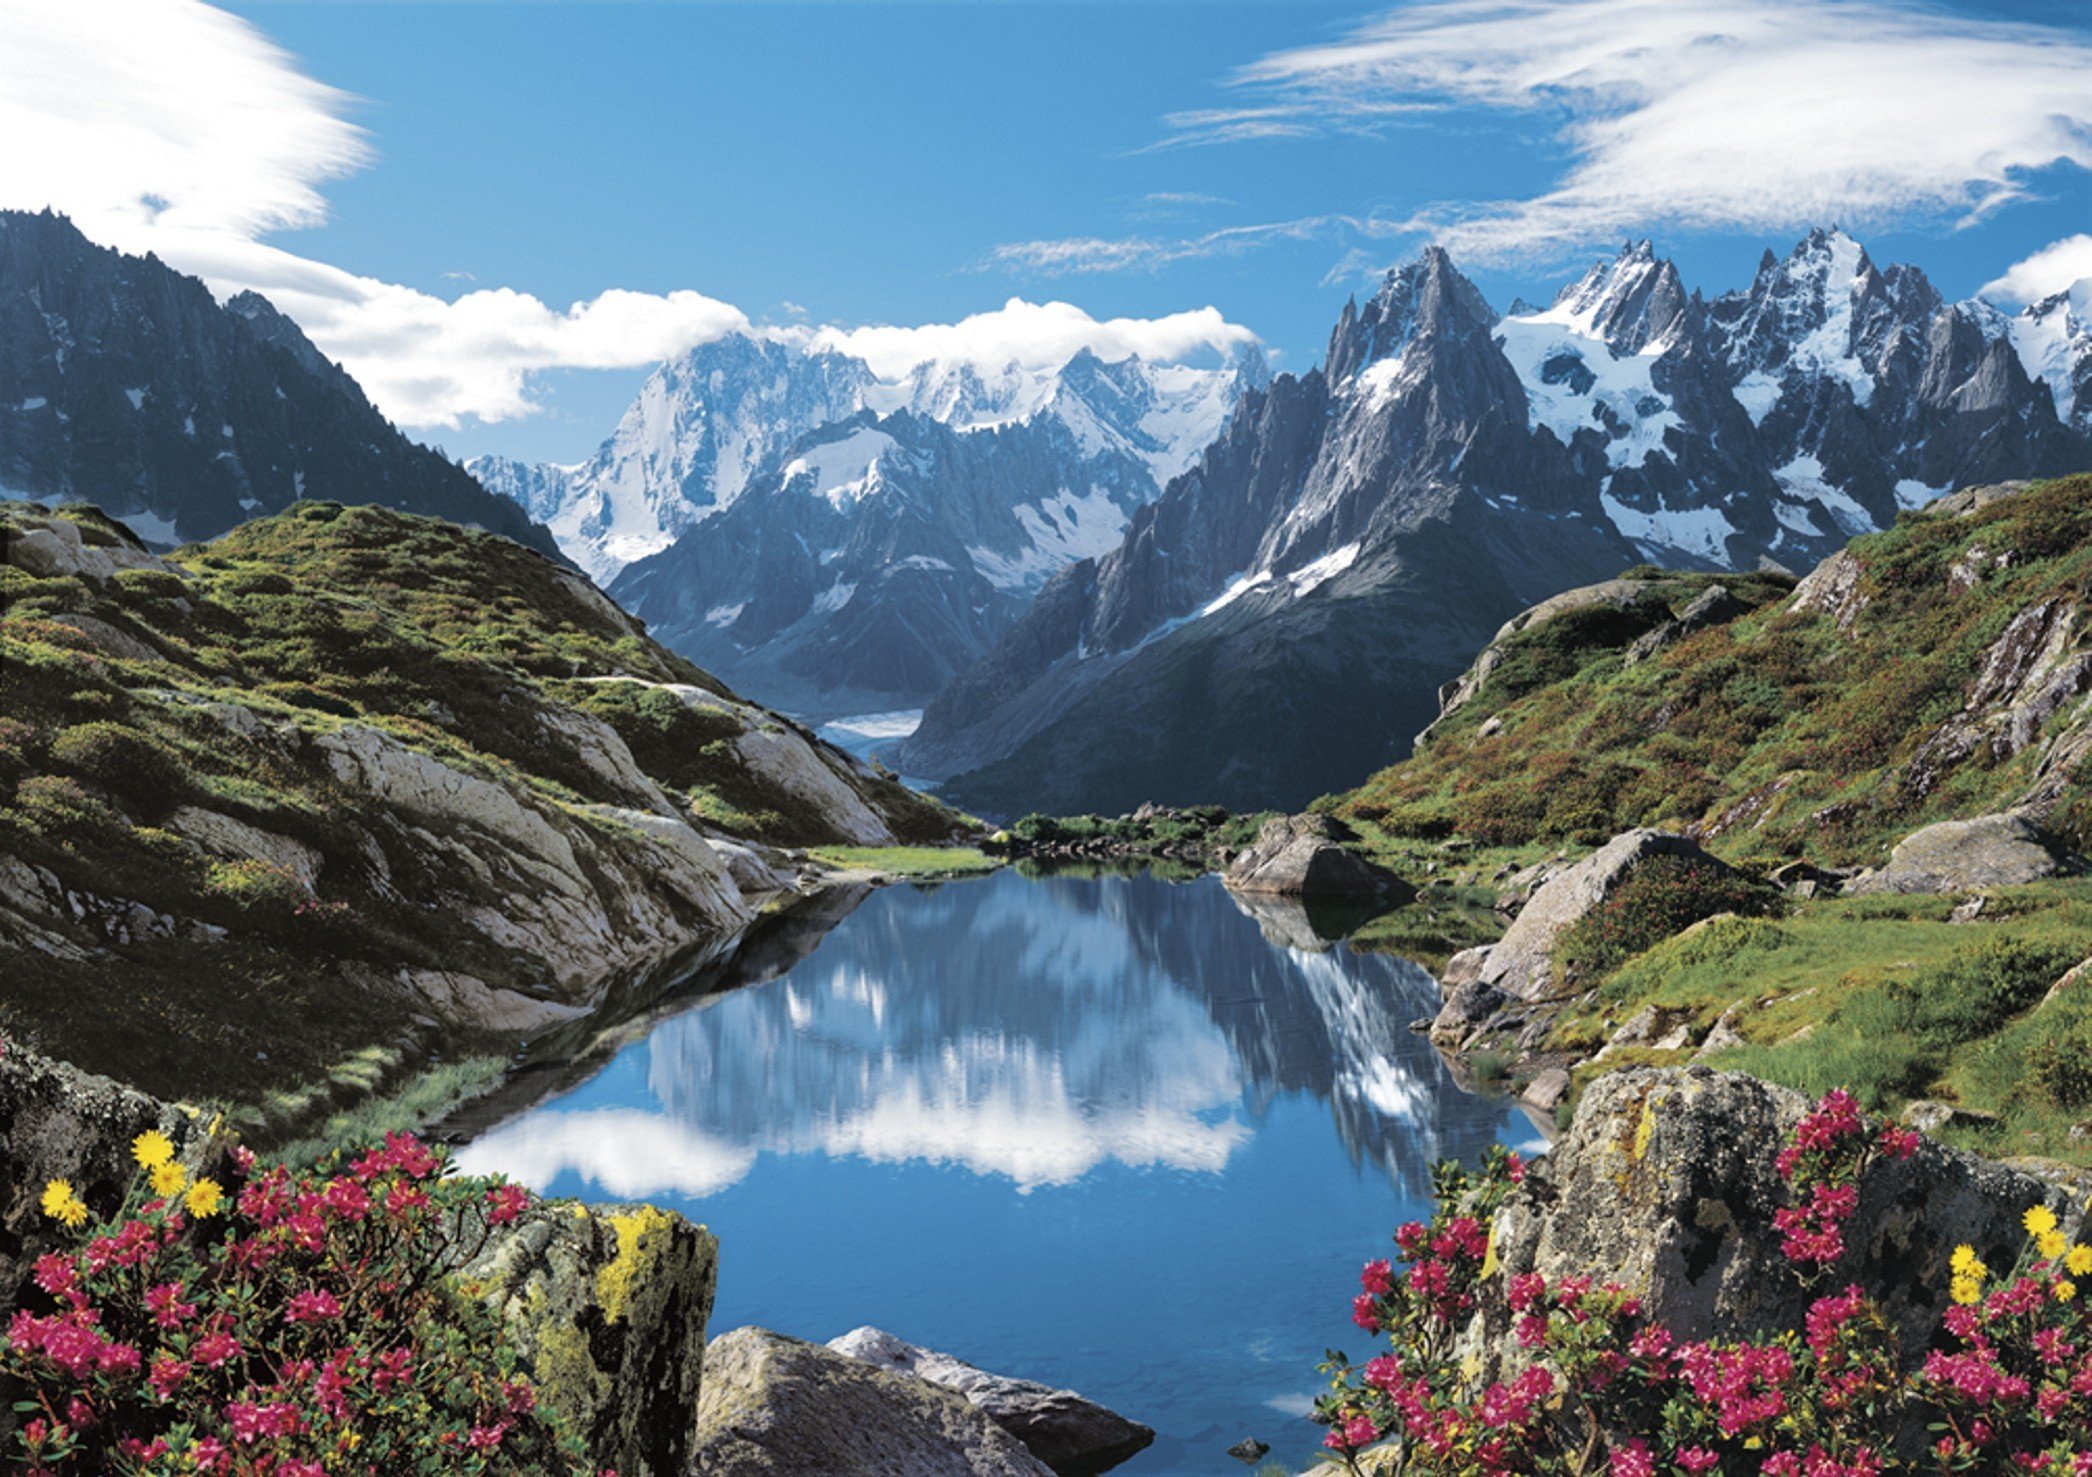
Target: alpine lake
[(1123, 1134)]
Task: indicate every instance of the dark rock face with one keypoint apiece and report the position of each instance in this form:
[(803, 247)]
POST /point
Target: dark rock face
[(1286, 611), (1074, 1436), (1964, 856), (1304, 856), (124, 384), (776, 1407), (1666, 1184)]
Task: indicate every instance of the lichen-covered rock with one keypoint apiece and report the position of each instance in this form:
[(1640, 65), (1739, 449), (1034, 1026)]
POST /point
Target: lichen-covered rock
[(1521, 963), (1303, 856), (608, 1304), (776, 1407), (1074, 1436), (1833, 588), (1666, 1184), (57, 1122), (1964, 856)]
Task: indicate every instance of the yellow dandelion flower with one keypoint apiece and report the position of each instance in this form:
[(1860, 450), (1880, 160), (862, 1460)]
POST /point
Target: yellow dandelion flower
[(1965, 1262), (2079, 1262), (205, 1197), (151, 1149), (1966, 1290), (2065, 1290), (63, 1204), (168, 1178), (2051, 1244)]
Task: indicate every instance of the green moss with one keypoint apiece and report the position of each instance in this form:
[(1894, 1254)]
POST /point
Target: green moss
[(1886, 998)]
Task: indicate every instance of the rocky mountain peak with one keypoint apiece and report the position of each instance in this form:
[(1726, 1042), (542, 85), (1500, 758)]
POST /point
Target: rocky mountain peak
[(125, 381), (2054, 340), (1633, 303), (1427, 299)]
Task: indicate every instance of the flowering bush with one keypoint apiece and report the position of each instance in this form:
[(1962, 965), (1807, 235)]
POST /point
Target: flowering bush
[(1662, 897), (287, 1324), (1598, 1388)]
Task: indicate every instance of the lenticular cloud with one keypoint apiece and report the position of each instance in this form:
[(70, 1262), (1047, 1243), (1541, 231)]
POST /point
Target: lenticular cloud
[(1759, 114)]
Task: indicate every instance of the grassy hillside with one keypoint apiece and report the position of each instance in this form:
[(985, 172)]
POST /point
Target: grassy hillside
[(1783, 732), (164, 758), (1936, 670)]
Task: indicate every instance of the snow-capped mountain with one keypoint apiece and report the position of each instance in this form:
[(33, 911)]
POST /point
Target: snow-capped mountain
[(709, 422), (843, 543), (2054, 340), (125, 383), (879, 556), (1278, 621), (1870, 393)]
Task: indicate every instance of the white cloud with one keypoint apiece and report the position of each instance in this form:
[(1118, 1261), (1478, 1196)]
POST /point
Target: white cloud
[(1080, 254), (1036, 336), (173, 127), (1760, 114), (132, 113), (170, 126), (2057, 266)]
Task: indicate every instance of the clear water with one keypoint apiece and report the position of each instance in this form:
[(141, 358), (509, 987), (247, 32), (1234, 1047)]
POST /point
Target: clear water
[(1115, 1134)]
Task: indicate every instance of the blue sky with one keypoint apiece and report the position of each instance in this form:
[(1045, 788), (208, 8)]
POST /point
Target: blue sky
[(895, 163)]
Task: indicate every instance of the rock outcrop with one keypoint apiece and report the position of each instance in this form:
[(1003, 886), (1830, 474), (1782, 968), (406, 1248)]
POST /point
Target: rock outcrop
[(1666, 1184), (1716, 605), (51, 546), (1520, 965), (533, 880), (1631, 598), (776, 1407), (608, 1304), (1304, 856), (471, 849), (57, 1122), (1074, 1436), (1964, 856)]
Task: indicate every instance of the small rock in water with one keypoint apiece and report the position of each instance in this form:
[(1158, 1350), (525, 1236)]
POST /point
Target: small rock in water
[(1248, 1450), (1073, 1436)]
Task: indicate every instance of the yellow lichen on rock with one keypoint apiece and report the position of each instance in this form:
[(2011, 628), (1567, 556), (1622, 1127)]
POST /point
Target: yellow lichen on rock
[(615, 1282)]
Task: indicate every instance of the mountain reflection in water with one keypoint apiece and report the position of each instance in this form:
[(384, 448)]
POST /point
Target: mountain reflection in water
[(1033, 1030), (1081, 1081)]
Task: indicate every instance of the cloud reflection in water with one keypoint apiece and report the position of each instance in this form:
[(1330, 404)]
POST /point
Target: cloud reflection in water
[(1031, 1030)]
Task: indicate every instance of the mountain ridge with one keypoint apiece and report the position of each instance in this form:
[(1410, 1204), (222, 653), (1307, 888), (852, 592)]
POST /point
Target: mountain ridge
[(1855, 383), (123, 382)]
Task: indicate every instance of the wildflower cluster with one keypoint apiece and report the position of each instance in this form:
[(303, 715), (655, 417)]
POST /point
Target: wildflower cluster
[(2016, 1387), (290, 1324), (1595, 1387)]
